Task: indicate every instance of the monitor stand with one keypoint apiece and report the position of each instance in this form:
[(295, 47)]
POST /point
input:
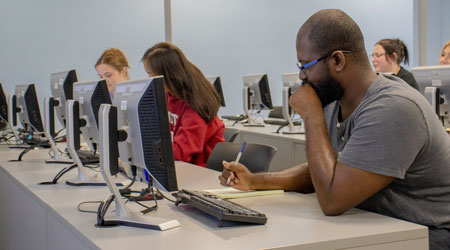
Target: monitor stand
[(12, 122), (84, 178), (123, 215), (292, 128), (49, 122), (251, 121)]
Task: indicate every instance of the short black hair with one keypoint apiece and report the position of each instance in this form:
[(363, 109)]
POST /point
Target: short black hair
[(333, 29)]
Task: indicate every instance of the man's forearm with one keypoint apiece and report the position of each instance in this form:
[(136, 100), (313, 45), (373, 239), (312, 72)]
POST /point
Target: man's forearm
[(321, 157), (296, 178)]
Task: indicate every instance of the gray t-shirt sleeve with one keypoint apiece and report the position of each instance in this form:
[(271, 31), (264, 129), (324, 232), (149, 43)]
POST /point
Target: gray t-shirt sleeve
[(387, 136)]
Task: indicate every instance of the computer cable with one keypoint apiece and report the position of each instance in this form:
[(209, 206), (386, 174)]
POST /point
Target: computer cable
[(94, 166), (146, 194), (59, 175), (280, 127), (101, 212), (31, 147), (57, 133), (87, 202), (133, 179), (147, 208), (166, 197)]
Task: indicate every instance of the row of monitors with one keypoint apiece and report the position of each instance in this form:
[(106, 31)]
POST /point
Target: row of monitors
[(256, 96), (134, 127), (257, 93), (92, 94), (142, 117)]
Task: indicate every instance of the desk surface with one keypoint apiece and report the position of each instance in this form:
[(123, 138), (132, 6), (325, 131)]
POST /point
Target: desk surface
[(294, 220), (267, 130)]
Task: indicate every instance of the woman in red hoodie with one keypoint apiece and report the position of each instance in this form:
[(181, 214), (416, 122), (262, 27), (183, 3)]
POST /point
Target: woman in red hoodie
[(192, 103)]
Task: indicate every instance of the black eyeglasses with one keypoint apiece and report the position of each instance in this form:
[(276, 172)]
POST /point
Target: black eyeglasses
[(303, 68)]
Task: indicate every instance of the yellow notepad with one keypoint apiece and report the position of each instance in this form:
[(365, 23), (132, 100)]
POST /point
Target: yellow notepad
[(231, 193)]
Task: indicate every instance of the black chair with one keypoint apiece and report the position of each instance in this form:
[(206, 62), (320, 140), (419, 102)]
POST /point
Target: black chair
[(276, 112), (230, 134), (256, 157)]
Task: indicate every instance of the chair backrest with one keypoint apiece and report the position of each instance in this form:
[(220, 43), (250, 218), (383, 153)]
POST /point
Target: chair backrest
[(230, 134), (256, 157), (276, 112)]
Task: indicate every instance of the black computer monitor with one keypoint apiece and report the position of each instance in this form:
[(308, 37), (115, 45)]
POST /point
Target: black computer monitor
[(143, 112), (61, 85), (82, 117), (434, 84), (30, 114), (90, 95), (256, 96), (137, 129), (216, 82), (3, 105)]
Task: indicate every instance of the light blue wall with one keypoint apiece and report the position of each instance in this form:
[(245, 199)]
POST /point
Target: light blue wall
[(445, 23), (434, 24), (41, 37), (229, 38), (232, 38)]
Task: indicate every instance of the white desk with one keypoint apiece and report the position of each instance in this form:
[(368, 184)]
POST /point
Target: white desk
[(291, 147), (46, 217)]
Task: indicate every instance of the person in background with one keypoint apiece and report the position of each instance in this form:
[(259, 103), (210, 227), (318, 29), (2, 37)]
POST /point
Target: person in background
[(445, 54), (112, 66), (192, 103), (373, 142), (387, 56)]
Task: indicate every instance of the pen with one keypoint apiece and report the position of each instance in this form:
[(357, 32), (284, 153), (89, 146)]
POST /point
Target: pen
[(237, 160)]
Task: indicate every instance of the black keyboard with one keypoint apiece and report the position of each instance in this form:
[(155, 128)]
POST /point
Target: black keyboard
[(222, 209), (234, 117), (281, 122), (88, 156)]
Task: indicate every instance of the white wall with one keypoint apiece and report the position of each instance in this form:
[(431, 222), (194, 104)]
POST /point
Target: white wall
[(232, 38), (46, 36)]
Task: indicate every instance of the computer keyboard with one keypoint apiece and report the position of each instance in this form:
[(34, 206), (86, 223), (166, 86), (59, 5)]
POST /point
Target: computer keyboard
[(88, 156), (224, 210), (234, 117), (281, 122)]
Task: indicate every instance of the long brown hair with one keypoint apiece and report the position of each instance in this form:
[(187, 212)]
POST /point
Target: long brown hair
[(183, 79)]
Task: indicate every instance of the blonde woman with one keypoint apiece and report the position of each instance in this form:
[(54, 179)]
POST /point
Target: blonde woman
[(445, 54), (112, 66)]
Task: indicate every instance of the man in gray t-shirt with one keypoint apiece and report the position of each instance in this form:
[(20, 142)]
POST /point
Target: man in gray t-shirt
[(372, 141), (395, 132)]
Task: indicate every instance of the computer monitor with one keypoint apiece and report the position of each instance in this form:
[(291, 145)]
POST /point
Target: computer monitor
[(256, 96), (30, 114), (137, 129), (3, 105), (82, 116), (143, 115), (61, 85), (291, 82), (90, 95), (434, 84), (215, 81)]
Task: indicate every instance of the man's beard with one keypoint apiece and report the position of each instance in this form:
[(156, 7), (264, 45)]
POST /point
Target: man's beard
[(328, 89)]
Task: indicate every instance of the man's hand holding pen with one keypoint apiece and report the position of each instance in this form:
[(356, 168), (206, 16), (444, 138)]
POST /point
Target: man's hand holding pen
[(240, 176)]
